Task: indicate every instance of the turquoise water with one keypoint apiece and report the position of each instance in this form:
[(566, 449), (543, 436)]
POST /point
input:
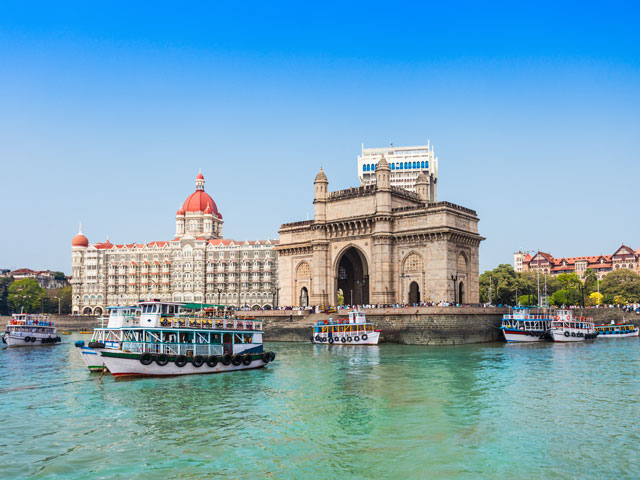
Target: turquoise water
[(392, 411)]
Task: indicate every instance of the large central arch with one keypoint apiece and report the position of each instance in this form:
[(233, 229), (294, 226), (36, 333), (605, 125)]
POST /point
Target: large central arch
[(353, 277)]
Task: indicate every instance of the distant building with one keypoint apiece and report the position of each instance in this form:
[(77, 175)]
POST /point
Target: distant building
[(45, 278), (623, 257), (198, 265), (406, 164)]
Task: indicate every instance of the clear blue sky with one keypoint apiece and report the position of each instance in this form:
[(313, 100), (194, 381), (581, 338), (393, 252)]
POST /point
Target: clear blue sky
[(107, 113)]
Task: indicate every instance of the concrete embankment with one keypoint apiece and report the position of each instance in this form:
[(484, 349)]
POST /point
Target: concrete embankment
[(410, 326), (64, 323)]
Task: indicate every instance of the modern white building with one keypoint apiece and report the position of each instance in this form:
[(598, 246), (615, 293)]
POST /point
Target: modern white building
[(406, 164)]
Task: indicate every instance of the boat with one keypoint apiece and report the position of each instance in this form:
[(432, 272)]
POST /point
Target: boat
[(25, 329), (617, 330), (85, 332), (107, 337), (566, 328), (170, 338), (65, 333), (522, 326), (354, 330)]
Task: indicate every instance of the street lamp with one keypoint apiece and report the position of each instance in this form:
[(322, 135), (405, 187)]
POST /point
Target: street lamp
[(454, 279), (59, 307)]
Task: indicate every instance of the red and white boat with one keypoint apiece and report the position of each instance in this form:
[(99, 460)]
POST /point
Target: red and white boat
[(566, 328), (27, 330)]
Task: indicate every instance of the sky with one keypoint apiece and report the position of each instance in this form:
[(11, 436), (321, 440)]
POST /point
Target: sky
[(108, 110)]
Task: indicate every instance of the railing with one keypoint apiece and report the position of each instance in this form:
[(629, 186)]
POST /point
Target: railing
[(528, 317), (228, 324), (189, 349)]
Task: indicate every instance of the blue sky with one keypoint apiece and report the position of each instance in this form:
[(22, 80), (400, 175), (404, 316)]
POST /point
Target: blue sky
[(107, 113)]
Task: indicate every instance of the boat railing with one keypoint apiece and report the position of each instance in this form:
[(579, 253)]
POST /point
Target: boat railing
[(527, 317), (210, 323), (188, 349)]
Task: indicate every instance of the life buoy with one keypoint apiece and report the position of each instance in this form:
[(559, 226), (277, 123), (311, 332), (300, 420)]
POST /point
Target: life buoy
[(146, 358), (272, 356), (566, 334), (246, 359), (27, 339), (226, 359), (349, 339), (364, 336), (266, 357), (162, 359), (557, 317), (197, 361), (236, 360), (344, 339), (573, 334), (212, 361), (181, 361), (356, 339), (317, 338), (331, 340)]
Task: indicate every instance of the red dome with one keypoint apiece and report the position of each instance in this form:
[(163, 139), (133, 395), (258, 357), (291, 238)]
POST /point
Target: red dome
[(200, 176), (198, 202), (80, 241)]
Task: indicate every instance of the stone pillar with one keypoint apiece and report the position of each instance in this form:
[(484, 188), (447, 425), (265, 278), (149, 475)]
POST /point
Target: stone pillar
[(320, 200), (381, 272), (322, 288)]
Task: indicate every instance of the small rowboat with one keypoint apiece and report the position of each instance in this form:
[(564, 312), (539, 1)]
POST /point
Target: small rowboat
[(85, 332), (65, 333)]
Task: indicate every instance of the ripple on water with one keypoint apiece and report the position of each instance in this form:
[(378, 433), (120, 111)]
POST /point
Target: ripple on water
[(392, 411)]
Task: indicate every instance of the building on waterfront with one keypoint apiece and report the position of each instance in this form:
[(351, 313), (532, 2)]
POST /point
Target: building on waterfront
[(406, 164), (198, 265), (379, 244), (45, 278), (623, 257)]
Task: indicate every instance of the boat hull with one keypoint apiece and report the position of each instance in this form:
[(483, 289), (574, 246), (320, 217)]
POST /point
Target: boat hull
[(562, 338), (516, 336), (619, 335), (92, 358), (322, 338), (19, 341), (122, 364)]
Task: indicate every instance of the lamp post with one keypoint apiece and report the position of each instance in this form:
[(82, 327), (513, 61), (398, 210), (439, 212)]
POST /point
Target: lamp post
[(59, 307), (454, 279), (219, 292)]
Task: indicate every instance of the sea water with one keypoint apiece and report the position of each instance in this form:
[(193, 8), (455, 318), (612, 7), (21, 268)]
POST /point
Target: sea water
[(392, 411)]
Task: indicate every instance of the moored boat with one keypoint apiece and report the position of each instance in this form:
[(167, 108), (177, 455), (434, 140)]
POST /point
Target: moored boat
[(354, 330), (27, 330), (566, 328), (170, 338), (108, 337), (522, 326), (615, 330)]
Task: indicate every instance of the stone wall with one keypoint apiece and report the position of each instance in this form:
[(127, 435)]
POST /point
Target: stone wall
[(410, 326), (64, 323)]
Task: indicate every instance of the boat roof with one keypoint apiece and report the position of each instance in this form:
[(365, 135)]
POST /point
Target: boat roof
[(191, 306)]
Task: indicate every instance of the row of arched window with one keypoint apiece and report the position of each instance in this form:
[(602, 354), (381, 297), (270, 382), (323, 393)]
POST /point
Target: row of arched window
[(397, 166)]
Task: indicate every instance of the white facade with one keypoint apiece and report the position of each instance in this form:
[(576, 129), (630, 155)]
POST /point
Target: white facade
[(196, 266), (406, 164), (518, 257)]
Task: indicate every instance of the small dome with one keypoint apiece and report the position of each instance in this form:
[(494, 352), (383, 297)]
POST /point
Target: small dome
[(200, 176), (180, 212), (422, 178), (321, 177), (80, 241), (208, 210), (382, 164)]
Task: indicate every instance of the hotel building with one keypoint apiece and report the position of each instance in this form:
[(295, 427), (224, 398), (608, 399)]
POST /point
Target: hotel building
[(198, 265)]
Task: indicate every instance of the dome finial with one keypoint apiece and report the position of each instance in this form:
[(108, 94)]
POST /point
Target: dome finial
[(80, 228), (321, 177)]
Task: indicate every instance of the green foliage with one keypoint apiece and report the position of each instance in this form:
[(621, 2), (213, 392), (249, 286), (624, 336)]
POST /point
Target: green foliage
[(26, 294), (59, 275), (569, 296), (59, 297), (528, 300), (623, 283), (569, 281), (503, 285), (340, 297), (4, 293)]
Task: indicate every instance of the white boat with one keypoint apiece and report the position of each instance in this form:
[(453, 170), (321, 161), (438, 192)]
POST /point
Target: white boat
[(27, 330), (615, 330), (566, 328), (170, 338), (346, 331), (109, 337), (522, 326)]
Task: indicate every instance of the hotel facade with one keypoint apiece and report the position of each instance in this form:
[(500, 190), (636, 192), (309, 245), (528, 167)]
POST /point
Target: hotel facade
[(198, 265)]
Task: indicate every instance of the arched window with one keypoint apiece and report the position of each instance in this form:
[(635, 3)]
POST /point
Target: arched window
[(303, 271), (393, 166), (462, 263), (413, 263), (406, 164), (421, 164)]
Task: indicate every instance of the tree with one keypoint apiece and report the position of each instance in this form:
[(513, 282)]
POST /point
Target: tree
[(26, 294), (4, 293), (59, 297), (595, 298), (590, 280), (59, 275), (340, 297), (622, 282), (569, 281), (503, 285)]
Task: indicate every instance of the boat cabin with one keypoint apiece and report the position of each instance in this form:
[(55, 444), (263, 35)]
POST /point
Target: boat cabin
[(122, 317)]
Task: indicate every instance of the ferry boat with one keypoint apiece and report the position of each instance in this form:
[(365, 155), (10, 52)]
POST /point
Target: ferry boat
[(522, 326), (566, 328), (616, 330), (25, 329), (346, 331), (109, 337), (169, 338)]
